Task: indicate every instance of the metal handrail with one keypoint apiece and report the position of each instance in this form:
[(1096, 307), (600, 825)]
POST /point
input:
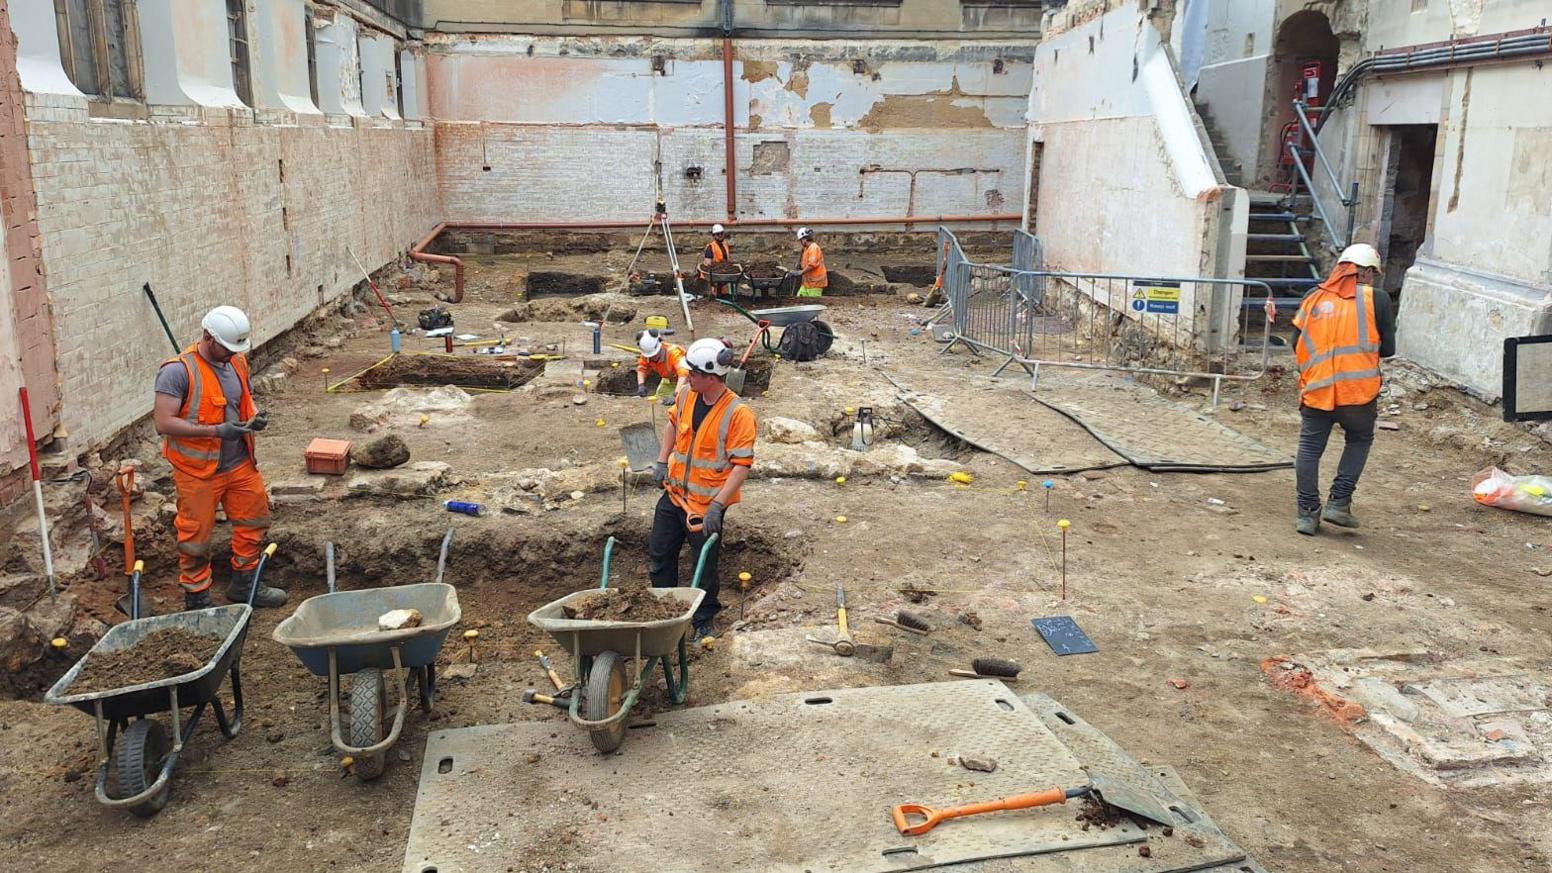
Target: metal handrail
[(1349, 202)]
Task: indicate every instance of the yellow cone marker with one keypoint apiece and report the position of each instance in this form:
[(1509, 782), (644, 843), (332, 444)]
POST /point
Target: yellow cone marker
[(61, 642), (347, 762), (1064, 524), (840, 480), (1022, 484), (424, 419), (587, 383), (840, 519), (614, 365), (961, 477), (850, 410), (744, 578), (599, 422), (1259, 598)]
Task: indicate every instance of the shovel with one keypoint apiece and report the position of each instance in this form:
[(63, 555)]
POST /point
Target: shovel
[(735, 376), (915, 819), (641, 445)]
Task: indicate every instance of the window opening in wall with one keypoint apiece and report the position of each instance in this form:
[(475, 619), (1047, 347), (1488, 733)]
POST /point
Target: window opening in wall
[(398, 83), (237, 28), (312, 56), (1036, 153), (99, 46), (1408, 199), (75, 44), (119, 22)]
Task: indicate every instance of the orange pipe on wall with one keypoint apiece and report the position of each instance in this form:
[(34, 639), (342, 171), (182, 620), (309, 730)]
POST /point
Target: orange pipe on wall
[(727, 127), (418, 252)]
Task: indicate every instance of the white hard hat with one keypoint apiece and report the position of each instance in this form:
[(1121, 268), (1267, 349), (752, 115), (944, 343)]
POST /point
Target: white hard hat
[(648, 342), (717, 228), (1360, 255), (804, 233), (711, 356), (229, 326)]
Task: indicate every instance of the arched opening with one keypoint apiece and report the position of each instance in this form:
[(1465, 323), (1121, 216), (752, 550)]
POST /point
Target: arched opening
[(1304, 58)]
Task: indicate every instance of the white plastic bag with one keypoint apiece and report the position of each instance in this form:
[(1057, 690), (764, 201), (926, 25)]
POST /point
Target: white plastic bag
[(1494, 487)]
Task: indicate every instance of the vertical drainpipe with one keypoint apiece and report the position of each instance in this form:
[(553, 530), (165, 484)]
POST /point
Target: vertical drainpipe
[(727, 108)]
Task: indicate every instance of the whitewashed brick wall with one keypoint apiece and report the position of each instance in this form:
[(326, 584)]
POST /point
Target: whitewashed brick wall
[(205, 204)]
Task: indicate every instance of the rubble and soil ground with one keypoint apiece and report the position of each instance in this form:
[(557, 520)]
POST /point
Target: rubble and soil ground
[(160, 654), (625, 604), (1167, 586)]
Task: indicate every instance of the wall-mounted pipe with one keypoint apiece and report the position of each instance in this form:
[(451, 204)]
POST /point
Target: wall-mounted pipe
[(727, 127), (418, 252)]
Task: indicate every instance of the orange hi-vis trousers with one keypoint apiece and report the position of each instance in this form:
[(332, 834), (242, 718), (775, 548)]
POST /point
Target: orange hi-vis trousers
[(240, 491)]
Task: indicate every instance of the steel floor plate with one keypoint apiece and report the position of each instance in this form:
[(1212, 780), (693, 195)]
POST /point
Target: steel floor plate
[(1149, 430), (790, 783)]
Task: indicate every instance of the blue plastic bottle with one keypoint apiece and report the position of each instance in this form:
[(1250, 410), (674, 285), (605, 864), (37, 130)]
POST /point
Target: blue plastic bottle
[(463, 507), (393, 340)]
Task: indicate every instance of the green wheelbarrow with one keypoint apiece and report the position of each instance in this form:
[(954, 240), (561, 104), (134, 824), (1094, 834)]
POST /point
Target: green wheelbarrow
[(599, 701)]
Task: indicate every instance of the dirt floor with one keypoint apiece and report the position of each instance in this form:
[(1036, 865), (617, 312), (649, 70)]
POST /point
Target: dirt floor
[(1187, 583)]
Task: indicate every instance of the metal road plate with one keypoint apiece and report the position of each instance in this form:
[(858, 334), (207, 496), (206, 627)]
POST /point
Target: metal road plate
[(791, 783), (1027, 434), (1149, 430), (1063, 635)]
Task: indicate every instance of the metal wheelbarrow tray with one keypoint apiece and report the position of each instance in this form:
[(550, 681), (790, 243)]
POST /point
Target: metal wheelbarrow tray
[(337, 633), (785, 316), (595, 637), (144, 743)]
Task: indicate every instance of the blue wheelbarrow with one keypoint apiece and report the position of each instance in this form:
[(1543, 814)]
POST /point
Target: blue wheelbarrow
[(136, 753), (599, 701), (337, 634)]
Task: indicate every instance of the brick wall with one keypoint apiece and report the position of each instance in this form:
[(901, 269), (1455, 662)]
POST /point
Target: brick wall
[(206, 205), (24, 312), (562, 173)]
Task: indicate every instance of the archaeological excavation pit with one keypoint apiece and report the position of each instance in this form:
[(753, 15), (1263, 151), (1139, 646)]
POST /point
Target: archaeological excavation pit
[(621, 380), (554, 283), (431, 370)]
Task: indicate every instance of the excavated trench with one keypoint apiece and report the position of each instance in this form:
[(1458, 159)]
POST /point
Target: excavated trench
[(621, 381), (430, 370)]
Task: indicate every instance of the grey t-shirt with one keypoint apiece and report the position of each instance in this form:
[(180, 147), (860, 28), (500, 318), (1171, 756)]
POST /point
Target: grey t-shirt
[(173, 380)]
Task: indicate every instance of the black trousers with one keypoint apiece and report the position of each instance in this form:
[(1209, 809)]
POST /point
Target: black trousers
[(669, 534), (1357, 424)]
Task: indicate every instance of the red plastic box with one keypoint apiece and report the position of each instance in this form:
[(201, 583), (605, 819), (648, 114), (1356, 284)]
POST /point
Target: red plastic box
[(328, 457)]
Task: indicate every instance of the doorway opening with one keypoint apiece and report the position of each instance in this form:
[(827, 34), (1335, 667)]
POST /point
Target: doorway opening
[(1036, 152), (1408, 198), (1304, 58)]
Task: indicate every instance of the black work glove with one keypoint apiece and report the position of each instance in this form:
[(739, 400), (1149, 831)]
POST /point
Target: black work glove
[(259, 422), (659, 471), (713, 518), (641, 390), (231, 430), (793, 274), (669, 400)]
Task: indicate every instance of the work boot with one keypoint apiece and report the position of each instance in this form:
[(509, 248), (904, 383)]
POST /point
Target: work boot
[(1340, 513), (193, 600), (1308, 521), (265, 597), (702, 631)]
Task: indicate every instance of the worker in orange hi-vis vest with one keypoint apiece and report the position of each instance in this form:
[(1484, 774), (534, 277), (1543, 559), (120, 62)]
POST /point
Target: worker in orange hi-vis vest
[(811, 275), (205, 413), (664, 359), (717, 254), (1342, 330)]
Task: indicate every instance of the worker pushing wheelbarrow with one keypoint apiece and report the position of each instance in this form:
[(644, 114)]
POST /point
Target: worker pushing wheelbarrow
[(599, 701)]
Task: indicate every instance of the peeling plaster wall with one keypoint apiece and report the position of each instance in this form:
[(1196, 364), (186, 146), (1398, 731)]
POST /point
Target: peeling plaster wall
[(1484, 271), (1231, 82), (1126, 183), (565, 107)]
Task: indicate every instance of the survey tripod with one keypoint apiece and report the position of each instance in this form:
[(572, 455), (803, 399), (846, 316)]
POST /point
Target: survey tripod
[(660, 221)]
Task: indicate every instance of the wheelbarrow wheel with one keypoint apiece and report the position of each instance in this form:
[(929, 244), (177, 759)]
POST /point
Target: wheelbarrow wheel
[(826, 336), (605, 691), (137, 762), (366, 721)]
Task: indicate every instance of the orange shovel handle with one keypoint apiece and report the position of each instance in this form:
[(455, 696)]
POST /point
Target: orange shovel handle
[(931, 818)]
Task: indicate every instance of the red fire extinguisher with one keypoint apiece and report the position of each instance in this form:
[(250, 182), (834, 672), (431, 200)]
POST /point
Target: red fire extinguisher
[(1309, 81)]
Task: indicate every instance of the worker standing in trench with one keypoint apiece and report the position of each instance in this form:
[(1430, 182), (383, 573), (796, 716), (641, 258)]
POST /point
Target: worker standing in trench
[(717, 254), (811, 273), (705, 455), (663, 358), (205, 413), (1341, 331)]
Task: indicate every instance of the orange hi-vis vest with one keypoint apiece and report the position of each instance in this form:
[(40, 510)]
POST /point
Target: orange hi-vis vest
[(720, 252), (814, 273), (702, 460), (206, 404), (1339, 345), (670, 368)]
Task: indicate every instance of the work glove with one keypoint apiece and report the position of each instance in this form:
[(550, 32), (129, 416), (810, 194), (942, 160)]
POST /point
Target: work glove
[(659, 472), (793, 274), (231, 430), (259, 422), (669, 400), (641, 390), (713, 518)]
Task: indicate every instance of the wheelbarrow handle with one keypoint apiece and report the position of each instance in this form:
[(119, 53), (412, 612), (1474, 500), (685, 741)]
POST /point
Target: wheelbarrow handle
[(253, 585)]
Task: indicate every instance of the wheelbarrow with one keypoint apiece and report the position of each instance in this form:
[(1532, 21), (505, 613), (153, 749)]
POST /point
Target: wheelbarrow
[(599, 701), (136, 754), (336, 634), (784, 316)]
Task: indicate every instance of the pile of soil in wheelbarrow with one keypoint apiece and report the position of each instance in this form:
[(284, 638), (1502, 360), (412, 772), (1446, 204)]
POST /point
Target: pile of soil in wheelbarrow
[(160, 654), (624, 604), (766, 271), (437, 370)]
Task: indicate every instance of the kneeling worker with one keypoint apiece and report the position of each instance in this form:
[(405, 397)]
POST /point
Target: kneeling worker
[(205, 413), (717, 255), (664, 359), (707, 450)]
